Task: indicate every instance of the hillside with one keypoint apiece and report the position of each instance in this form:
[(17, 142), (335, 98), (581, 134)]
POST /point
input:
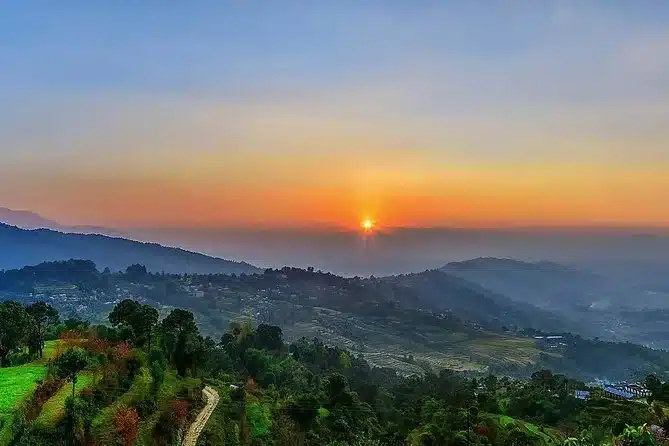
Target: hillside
[(20, 247), (409, 323), (144, 382), (545, 284), (471, 301)]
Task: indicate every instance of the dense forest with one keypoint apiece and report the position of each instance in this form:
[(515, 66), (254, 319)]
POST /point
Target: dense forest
[(138, 380)]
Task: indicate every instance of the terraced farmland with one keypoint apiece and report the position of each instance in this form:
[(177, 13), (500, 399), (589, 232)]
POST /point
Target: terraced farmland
[(54, 408), (17, 383)]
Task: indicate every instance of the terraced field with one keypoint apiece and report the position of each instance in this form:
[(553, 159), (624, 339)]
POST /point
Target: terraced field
[(518, 351), (54, 408), (17, 383)]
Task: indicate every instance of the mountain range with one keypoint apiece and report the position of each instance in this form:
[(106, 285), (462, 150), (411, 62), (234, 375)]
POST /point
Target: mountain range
[(20, 247), (26, 219)]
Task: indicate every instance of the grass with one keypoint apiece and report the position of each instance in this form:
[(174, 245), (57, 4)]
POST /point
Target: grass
[(54, 408), (547, 436), (509, 350), (50, 349), (506, 420), (17, 383)]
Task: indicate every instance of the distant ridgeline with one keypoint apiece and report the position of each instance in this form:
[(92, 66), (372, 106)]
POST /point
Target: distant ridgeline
[(21, 247), (413, 323)]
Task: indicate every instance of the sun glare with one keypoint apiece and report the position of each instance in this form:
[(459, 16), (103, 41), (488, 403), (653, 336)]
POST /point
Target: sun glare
[(367, 224)]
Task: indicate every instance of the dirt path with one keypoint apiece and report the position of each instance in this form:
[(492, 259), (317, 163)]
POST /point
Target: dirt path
[(195, 429)]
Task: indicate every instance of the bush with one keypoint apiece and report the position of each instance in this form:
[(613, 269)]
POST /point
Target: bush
[(145, 408), (259, 418), (126, 423)]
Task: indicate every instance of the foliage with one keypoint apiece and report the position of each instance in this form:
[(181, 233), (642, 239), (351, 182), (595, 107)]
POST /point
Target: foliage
[(126, 423), (305, 393), (69, 364), (259, 418), (54, 408), (44, 317), (138, 320), (15, 325)]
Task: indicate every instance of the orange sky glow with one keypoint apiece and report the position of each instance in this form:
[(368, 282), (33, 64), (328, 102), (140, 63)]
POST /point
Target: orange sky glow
[(218, 116)]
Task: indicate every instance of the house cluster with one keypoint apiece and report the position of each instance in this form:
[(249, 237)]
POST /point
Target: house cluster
[(552, 342), (624, 391), (627, 391)]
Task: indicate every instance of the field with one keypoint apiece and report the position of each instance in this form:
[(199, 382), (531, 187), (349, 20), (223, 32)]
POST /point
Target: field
[(20, 381), (546, 435), (17, 383), (53, 410), (387, 342)]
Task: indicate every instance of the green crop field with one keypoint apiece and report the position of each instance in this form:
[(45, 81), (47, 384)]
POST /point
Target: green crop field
[(17, 383)]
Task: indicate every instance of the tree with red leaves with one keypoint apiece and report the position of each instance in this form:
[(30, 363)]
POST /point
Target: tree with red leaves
[(126, 423), (122, 350), (180, 411)]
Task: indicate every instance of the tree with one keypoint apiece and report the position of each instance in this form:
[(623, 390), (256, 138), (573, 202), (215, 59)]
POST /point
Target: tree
[(179, 322), (44, 317), (137, 319), (126, 423), (69, 364), (304, 410), (180, 337), (256, 363), (15, 324), (136, 272), (268, 337), (655, 386), (345, 361), (75, 323), (149, 319)]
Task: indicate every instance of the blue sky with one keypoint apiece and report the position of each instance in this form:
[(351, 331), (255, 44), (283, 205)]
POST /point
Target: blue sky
[(369, 98)]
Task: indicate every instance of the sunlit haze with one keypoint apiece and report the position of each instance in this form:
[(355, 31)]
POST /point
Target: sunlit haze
[(291, 114)]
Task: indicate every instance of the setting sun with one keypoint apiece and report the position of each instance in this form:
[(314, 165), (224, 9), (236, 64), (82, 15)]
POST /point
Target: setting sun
[(367, 224)]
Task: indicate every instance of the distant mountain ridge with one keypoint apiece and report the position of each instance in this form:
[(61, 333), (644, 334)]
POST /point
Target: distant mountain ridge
[(26, 219), (470, 300), (545, 284), (20, 247)]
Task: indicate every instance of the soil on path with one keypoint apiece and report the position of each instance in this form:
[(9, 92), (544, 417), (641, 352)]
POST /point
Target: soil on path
[(195, 429)]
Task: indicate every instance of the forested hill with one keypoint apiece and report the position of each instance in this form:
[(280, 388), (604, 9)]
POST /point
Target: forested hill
[(411, 323), (20, 247), (138, 380), (545, 284)]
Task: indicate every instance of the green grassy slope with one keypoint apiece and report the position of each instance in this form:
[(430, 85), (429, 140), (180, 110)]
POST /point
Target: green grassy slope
[(16, 384), (54, 408)]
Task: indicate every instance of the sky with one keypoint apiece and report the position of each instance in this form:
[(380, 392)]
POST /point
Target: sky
[(217, 114)]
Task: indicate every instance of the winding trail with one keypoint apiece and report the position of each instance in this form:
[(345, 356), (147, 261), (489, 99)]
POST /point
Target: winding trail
[(195, 429)]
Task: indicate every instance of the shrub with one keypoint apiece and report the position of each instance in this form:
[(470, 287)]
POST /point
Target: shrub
[(126, 423)]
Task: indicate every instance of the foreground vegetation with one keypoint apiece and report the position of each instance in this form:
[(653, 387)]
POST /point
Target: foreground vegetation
[(138, 381)]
